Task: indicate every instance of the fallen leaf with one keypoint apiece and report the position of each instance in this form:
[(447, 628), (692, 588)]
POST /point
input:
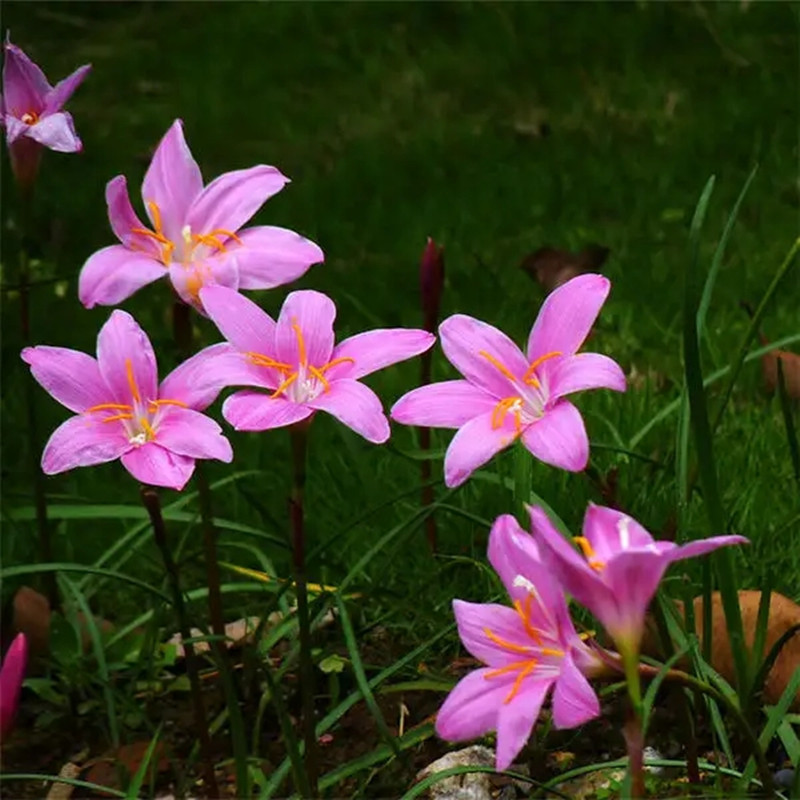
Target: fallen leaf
[(552, 267), (63, 791), (790, 362), (105, 771)]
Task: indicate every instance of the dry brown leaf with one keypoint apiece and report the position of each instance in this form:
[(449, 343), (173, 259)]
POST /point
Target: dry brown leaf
[(105, 771), (63, 791), (552, 267)]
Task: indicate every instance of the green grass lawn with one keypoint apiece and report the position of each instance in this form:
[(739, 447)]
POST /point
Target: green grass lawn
[(403, 120)]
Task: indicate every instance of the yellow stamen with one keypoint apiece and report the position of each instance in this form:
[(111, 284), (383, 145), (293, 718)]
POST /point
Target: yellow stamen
[(529, 377), (148, 428), (153, 405), (319, 376), (132, 380), (225, 232), (550, 651), (301, 345), (514, 648), (492, 360), (524, 612), (500, 411), (588, 552), (337, 361), (109, 407), (523, 673), (285, 385), (116, 417), (30, 118), (261, 360), (209, 240), (512, 667), (155, 213)]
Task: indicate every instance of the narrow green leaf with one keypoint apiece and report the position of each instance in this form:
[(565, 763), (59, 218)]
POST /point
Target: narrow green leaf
[(138, 778), (788, 421)]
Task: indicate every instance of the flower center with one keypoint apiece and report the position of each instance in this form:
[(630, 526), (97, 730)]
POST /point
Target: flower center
[(588, 551), (528, 402), (30, 118), (304, 383), (140, 418)]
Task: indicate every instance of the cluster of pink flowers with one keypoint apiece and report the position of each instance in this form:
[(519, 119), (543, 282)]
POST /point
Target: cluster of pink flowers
[(288, 369)]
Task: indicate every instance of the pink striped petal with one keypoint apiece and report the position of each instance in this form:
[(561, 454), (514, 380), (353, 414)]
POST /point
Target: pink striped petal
[(124, 220), (559, 438), (126, 358), (156, 466), (257, 411), (271, 256), (610, 532), (476, 349), (313, 314), (474, 619), (83, 441), (374, 350), (190, 433), (703, 546), (71, 377), (574, 700), (24, 83), (215, 270), (449, 404), (230, 200), (64, 89), (114, 273), (357, 406), (584, 371), (241, 321), (567, 316), (57, 132), (516, 719), (474, 444)]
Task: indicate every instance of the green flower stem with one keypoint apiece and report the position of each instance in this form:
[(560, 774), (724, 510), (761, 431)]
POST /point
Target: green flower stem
[(152, 503), (634, 735), (299, 439)]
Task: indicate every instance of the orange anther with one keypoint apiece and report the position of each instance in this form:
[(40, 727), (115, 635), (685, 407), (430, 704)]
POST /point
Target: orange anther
[(153, 405), (285, 385), (529, 377), (514, 648), (301, 345), (148, 428), (109, 407), (116, 417), (494, 362), (132, 380)]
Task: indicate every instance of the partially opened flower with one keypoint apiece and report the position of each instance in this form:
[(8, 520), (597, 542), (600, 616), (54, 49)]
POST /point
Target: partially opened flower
[(121, 411), (296, 362), (506, 394), (195, 237), (617, 570), (12, 673), (527, 649), (32, 112)]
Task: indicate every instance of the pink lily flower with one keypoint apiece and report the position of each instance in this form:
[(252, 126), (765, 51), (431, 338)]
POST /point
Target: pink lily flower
[(195, 238), (618, 569), (122, 413), (527, 649), (507, 395), (31, 112), (12, 673), (296, 361)]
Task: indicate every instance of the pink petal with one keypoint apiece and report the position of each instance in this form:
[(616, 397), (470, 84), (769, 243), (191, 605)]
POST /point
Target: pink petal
[(256, 411), (449, 404), (15, 129), (114, 273), (83, 441), (156, 466), (173, 181), (574, 700), (313, 313), (610, 532), (357, 406), (271, 256), (71, 377), (64, 89), (475, 618), (190, 433), (559, 438), (465, 338), (126, 358), (57, 131), (374, 350), (199, 379), (702, 546), (124, 220), (232, 198), (24, 83), (516, 719), (215, 270), (474, 444), (11, 676), (241, 321), (567, 316), (584, 371)]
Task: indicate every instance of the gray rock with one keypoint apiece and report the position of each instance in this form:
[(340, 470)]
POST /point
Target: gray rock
[(471, 785)]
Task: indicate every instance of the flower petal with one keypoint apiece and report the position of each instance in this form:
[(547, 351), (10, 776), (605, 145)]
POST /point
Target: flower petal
[(256, 411), (126, 358), (11, 677), (567, 316), (610, 532), (559, 437), (24, 83), (124, 220), (464, 339), (584, 371), (83, 442), (71, 377), (474, 619), (57, 131), (702, 546), (173, 181), (357, 406), (474, 444), (156, 466), (232, 198), (215, 270), (449, 404), (306, 315), (270, 256), (516, 719), (15, 129), (190, 433), (244, 324), (64, 89), (574, 700), (374, 350), (114, 273)]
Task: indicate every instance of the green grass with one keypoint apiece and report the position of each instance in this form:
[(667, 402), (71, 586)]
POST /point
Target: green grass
[(399, 121)]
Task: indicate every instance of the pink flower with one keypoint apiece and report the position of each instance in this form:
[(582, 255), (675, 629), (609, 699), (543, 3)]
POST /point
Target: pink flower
[(195, 237), (31, 112), (527, 649), (506, 395), (618, 569), (121, 411), (12, 674), (296, 361)]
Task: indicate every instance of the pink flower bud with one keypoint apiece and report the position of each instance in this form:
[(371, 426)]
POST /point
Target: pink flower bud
[(11, 675)]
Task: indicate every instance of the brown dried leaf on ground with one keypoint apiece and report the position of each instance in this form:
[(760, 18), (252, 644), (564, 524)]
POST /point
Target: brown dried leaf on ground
[(790, 364), (552, 267), (106, 770)]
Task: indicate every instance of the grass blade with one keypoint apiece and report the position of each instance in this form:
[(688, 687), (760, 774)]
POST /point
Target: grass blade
[(788, 421)]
